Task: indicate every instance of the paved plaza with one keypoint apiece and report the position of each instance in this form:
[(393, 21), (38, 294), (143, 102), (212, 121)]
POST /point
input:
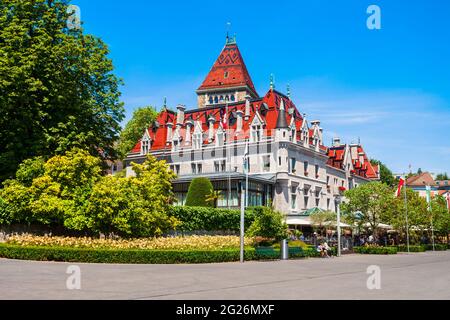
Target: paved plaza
[(403, 276)]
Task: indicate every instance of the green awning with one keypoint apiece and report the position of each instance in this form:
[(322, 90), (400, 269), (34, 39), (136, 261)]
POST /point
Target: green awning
[(309, 212)]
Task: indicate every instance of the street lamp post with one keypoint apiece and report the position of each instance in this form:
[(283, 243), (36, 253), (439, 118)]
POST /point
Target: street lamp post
[(338, 201)]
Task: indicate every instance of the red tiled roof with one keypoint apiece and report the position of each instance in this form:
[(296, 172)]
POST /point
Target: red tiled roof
[(271, 101), (229, 70)]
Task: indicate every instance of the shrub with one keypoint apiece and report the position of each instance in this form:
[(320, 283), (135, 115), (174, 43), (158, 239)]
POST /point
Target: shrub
[(437, 247), (404, 248), (198, 191), (268, 224), (4, 213), (209, 219), (29, 170), (375, 250), (131, 256)]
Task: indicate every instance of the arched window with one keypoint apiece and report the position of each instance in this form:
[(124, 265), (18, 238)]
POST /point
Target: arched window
[(211, 100), (233, 98), (221, 98), (216, 100), (227, 98)]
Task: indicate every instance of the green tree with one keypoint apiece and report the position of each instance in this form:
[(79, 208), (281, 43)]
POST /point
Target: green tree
[(386, 175), (135, 128), (30, 169), (442, 176), (268, 224), (321, 219), (57, 89), (213, 197), (418, 216), (441, 216), (369, 204), (198, 192), (55, 194), (136, 206)]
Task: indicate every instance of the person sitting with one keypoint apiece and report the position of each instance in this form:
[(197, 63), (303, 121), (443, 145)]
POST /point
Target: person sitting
[(326, 249), (320, 249)]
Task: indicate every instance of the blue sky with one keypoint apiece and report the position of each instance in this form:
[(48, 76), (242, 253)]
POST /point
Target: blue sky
[(390, 88)]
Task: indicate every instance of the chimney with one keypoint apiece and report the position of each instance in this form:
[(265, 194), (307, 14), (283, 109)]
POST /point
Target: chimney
[(211, 122), (239, 122), (315, 123), (180, 115), (361, 157), (189, 125), (247, 107), (336, 142), (169, 132)]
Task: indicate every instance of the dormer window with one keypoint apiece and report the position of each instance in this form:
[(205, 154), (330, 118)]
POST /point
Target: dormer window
[(225, 75), (255, 133), (197, 141), (220, 138), (175, 145), (145, 146)]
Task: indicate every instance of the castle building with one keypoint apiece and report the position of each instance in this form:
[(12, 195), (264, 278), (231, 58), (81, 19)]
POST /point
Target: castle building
[(289, 165)]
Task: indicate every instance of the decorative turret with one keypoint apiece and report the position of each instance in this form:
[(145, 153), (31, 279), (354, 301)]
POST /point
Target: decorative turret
[(282, 127), (282, 120)]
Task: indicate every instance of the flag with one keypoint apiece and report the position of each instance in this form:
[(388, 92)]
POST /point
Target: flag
[(401, 184), (246, 158)]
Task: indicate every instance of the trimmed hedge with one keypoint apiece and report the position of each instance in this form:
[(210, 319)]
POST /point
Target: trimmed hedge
[(404, 248), (437, 247), (376, 250), (83, 255), (210, 219), (122, 256), (271, 253)]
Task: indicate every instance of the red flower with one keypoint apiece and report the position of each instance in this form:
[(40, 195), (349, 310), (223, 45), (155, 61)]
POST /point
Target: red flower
[(342, 189)]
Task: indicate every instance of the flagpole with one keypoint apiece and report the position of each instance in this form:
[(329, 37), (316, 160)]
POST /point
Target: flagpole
[(406, 212), (246, 177), (430, 209)]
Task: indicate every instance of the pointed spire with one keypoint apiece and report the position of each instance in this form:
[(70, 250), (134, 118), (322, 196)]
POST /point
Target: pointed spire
[(230, 40), (282, 120), (272, 82), (164, 108)]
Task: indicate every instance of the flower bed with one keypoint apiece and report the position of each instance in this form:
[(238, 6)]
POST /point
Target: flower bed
[(174, 243)]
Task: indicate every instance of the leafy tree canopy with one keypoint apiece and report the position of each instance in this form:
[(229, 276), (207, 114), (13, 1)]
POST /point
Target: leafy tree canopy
[(386, 174), (268, 224), (134, 129), (57, 89), (442, 176), (371, 203)]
